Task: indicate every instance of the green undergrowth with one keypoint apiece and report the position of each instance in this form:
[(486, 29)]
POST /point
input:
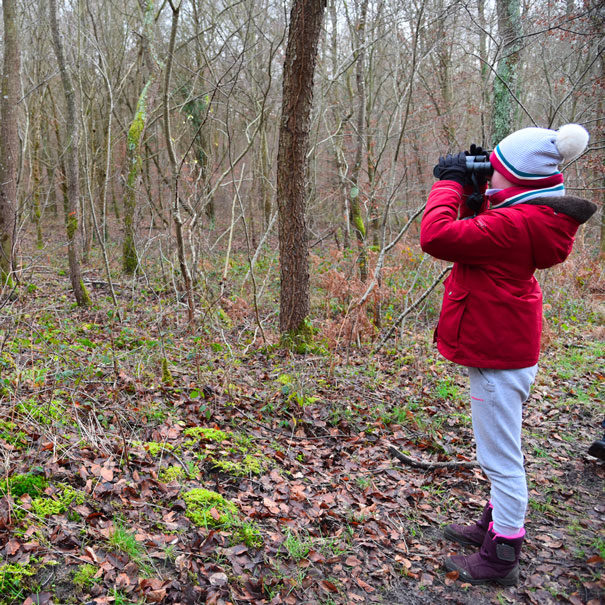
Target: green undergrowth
[(13, 581), (209, 509), (158, 441)]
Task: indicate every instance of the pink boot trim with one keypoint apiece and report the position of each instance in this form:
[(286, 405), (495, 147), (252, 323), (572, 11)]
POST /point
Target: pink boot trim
[(519, 534)]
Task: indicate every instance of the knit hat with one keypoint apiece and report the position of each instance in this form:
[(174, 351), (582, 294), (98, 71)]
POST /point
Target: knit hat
[(530, 157)]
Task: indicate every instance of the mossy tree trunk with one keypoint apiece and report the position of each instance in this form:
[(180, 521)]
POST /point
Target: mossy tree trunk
[(297, 99), (174, 168), (71, 166), (355, 213), (133, 161), (10, 88), (136, 129), (506, 81), (35, 168)]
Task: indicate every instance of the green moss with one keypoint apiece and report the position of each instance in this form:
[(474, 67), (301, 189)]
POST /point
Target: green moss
[(249, 534), (6, 280), (10, 434), (86, 301), (358, 224), (45, 506), (302, 340), (250, 465), (138, 122), (29, 483), (171, 473), (129, 254), (209, 509), (200, 433), (71, 222), (84, 576), (45, 413), (157, 449), (12, 576), (166, 374)]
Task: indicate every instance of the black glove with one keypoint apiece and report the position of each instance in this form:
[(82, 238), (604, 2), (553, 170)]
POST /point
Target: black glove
[(476, 150), (452, 168), (475, 201)]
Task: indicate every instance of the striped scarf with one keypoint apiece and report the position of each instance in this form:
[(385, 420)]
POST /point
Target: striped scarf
[(511, 196)]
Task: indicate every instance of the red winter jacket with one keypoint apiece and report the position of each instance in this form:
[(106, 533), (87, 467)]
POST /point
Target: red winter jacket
[(491, 315)]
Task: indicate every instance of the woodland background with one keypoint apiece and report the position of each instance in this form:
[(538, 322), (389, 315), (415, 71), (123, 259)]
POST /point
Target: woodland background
[(167, 436)]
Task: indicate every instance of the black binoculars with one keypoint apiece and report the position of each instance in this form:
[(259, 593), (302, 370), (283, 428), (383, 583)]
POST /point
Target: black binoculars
[(479, 165)]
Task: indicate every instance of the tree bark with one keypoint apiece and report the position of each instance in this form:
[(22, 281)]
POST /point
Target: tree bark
[(174, 170), (9, 142), (505, 84), (299, 66), (356, 216), (71, 166)]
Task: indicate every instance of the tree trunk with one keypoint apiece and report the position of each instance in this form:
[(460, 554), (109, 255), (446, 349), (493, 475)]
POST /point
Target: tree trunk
[(71, 167), (9, 142), (299, 66), (130, 259), (174, 171), (601, 130), (505, 84), (355, 207)]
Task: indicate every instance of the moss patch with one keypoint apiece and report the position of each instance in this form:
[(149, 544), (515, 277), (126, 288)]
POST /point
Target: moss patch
[(231, 453), (209, 509), (84, 577), (250, 465), (200, 433), (45, 506), (12, 579), (18, 485), (171, 473)]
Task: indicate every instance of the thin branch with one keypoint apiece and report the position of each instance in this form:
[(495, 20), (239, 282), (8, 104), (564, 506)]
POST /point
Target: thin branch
[(412, 307), (429, 466)]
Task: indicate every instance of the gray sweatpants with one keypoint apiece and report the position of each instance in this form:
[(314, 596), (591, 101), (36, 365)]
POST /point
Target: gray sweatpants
[(497, 398)]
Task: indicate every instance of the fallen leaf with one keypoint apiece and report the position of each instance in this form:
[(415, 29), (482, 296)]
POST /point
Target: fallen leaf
[(107, 474), (329, 586), (364, 585), (12, 546), (218, 579)]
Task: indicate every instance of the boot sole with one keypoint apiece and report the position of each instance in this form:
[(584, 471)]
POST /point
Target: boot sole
[(454, 537), (511, 579), (597, 449)]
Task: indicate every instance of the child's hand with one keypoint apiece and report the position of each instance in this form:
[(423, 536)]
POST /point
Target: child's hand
[(452, 168)]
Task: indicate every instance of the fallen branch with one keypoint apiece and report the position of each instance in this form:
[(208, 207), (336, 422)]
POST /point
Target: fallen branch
[(429, 465)]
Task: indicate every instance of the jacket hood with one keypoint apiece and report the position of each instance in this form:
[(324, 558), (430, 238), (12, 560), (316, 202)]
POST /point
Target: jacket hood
[(577, 208), (552, 235)]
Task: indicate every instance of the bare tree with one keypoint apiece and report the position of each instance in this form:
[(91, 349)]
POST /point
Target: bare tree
[(130, 260), (355, 213), (174, 169), (301, 53), (9, 142), (71, 165)]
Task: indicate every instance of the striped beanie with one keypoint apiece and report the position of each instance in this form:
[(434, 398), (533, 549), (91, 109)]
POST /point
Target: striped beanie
[(530, 157)]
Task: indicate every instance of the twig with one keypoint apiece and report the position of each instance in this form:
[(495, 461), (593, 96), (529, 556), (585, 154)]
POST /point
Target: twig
[(429, 465), (411, 308)]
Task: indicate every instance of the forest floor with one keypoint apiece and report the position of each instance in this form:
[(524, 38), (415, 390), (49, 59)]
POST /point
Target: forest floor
[(145, 464)]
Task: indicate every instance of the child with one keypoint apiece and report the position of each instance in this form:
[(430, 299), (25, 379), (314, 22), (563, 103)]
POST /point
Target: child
[(491, 317)]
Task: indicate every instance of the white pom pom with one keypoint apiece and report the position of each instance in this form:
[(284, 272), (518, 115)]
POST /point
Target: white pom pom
[(571, 141)]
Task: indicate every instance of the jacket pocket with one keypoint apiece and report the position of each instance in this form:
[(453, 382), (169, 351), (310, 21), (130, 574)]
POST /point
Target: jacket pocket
[(452, 312)]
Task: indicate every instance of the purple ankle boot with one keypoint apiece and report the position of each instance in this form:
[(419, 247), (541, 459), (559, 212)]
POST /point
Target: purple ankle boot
[(470, 534), (496, 561)]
